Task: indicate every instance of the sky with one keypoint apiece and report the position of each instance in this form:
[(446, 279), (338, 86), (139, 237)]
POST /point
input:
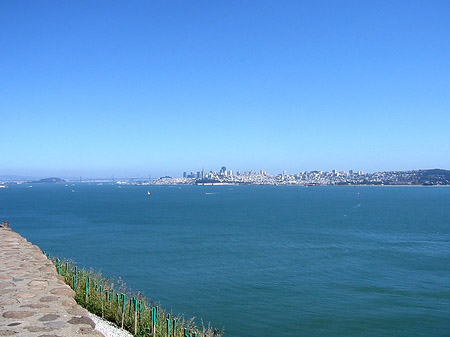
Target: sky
[(138, 88)]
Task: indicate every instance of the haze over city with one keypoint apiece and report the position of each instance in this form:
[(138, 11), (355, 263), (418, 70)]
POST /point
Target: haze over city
[(132, 88)]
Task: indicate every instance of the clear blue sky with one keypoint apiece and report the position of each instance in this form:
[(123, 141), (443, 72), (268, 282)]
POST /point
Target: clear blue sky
[(128, 88)]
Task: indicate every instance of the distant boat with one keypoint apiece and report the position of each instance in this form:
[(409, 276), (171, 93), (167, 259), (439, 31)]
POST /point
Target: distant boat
[(3, 186), (148, 192)]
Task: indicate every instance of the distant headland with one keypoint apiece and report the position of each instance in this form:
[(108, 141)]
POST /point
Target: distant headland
[(52, 180)]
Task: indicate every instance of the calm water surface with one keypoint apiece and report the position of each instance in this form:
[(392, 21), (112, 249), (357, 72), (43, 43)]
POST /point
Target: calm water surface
[(259, 261)]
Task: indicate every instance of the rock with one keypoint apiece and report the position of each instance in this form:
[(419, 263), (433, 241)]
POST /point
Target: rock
[(27, 265), (35, 306), (8, 301), (25, 295), (49, 317), (38, 283), (55, 325), (63, 291), (4, 285), (82, 320), (76, 310), (18, 314), (38, 328), (69, 303), (49, 298), (47, 269), (86, 330)]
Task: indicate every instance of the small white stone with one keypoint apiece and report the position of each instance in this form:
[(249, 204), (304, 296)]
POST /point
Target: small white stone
[(107, 328)]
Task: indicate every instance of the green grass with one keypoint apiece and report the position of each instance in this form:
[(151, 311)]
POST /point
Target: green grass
[(104, 298)]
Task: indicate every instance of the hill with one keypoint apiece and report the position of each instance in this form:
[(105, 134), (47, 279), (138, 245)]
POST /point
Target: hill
[(52, 180)]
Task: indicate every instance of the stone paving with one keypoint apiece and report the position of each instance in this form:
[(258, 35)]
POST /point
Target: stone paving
[(34, 300)]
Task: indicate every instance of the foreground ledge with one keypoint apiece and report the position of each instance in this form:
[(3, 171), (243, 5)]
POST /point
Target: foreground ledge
[(34, 300)]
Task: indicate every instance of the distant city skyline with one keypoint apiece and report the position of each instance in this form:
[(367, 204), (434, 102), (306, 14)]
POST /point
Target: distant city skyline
[(223, 171), (434, 177), (136, 88)]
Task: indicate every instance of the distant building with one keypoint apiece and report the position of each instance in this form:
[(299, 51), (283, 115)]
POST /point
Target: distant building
[(184, 174)]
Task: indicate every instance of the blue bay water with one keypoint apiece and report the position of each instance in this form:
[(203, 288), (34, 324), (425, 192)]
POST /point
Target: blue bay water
[(259, 260)]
